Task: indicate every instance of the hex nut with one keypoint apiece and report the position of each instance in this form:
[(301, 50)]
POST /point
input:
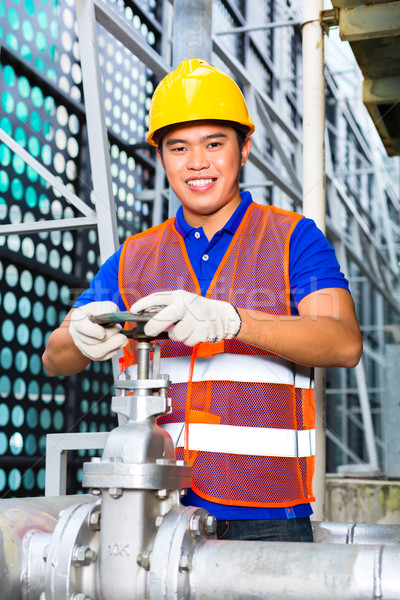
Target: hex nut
[(158, 521), (184, 563), (143, 560), (196, 525), (115, 492), (94, 520), (210, 524), (83, 556), (162, 494)]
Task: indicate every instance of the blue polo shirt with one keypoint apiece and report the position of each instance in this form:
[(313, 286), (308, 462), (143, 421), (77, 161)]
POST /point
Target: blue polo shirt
[(312, 266)]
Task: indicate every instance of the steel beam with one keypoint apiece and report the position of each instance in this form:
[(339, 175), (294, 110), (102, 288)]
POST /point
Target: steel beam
[(49, 225), (264, 27), (97, 132), (243, 77), (381, 96), (369, 21), (57, 446), (131, 39), (55, 182), (385, 90)]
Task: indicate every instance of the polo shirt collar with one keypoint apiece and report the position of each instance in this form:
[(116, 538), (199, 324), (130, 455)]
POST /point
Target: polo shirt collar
[(231, 226)]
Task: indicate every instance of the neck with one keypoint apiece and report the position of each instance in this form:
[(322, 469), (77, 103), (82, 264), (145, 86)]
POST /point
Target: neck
[(211, 223)]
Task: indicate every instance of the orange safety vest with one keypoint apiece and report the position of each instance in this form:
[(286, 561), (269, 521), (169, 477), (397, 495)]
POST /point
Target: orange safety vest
[(243, 417)]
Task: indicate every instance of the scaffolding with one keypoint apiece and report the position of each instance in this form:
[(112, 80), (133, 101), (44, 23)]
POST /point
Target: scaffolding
[(77, 177)]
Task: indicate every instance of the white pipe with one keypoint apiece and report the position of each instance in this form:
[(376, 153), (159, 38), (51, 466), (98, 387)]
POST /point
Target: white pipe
[(313, 113), (270, 570), (314, 194)]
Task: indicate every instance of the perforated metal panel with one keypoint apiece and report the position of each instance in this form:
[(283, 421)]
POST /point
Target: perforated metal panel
[(41, 274)]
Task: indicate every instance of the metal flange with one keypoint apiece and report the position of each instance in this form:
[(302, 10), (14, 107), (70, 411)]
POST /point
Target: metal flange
[(150, 476), (64, 561), (170, 560)]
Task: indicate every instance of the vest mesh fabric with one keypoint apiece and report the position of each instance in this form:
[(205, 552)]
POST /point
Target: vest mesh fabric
[(254, 275)]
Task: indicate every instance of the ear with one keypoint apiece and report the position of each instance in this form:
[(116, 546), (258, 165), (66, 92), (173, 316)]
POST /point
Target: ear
[(245, 152), (159, 156)]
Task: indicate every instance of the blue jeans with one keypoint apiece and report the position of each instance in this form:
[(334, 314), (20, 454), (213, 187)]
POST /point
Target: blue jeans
[(266, 530)]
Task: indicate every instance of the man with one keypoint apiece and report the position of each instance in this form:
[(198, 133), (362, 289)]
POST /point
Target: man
[(252, 297)]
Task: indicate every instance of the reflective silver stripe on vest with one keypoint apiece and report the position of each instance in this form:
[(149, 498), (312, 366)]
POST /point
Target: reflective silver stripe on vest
[(250, 441), (236, 367)]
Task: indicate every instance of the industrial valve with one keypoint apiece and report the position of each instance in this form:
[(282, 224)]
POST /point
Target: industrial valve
[(136, 540), (132, 539)]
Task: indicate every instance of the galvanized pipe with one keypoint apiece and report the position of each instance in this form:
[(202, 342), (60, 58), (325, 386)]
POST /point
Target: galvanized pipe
[(267, 571), (192, 38), (17, 516), (192, 30), (356, 533), (140, 543), (314, 202), (359, 562)]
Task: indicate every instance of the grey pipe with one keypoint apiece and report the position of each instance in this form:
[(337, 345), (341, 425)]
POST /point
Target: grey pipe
[(356, 533), (241, 570), (17, 516), (267, 571)]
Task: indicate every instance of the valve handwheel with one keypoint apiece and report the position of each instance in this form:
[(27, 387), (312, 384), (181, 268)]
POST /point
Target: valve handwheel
[(136, 333)]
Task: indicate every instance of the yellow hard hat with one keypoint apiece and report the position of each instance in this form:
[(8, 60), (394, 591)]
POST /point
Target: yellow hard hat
[(196, 91)]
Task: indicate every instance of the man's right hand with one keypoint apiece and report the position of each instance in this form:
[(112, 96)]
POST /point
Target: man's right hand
[(92, 340)]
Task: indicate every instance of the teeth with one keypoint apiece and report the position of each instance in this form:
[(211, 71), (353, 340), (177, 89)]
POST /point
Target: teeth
[(199, 182)]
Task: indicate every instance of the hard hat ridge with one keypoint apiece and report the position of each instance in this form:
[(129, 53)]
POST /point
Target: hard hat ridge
[(196, 91)]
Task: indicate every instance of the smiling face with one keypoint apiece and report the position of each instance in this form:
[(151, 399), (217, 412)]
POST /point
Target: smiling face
[(202, 162)]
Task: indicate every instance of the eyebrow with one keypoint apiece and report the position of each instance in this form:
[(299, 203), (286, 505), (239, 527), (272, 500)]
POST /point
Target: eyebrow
[(173, 141)]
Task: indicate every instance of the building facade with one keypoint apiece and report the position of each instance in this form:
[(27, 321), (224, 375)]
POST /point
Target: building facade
[(51, 202)]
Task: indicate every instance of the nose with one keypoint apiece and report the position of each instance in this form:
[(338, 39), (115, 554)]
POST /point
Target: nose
[(197, 159)]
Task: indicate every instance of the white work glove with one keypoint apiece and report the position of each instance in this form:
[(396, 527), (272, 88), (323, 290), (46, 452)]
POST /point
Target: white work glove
[(93, 340), (196, 319)]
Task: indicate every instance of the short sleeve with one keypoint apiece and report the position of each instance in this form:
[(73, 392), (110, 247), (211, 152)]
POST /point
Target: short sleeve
[(104, 285), (312, 262)]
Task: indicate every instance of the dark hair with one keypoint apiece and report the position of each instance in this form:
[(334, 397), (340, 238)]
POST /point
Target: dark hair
[(241, 137)]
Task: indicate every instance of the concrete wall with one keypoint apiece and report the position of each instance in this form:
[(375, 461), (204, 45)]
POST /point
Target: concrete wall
[(362, 501)]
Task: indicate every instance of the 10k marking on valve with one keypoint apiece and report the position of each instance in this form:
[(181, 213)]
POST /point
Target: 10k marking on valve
[(119, 549)]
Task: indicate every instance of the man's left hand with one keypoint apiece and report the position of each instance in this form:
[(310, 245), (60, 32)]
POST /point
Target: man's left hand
[(195, 319)]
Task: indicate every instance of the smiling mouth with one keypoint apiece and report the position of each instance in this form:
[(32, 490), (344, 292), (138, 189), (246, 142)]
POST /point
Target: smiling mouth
[(200, 182)]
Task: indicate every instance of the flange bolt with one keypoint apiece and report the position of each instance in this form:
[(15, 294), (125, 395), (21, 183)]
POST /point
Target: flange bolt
[(210, 524), (196, 525), (83, 556), (143, 560), (115, 492), (162, 494), (94, 520)]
